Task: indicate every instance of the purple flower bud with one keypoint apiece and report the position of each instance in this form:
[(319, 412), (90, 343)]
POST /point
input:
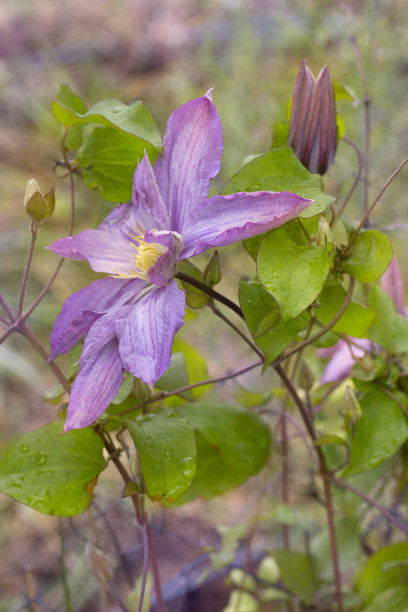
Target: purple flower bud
[(313, 127)]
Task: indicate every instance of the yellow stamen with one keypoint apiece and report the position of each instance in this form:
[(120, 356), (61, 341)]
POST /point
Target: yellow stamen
[(145, 256)]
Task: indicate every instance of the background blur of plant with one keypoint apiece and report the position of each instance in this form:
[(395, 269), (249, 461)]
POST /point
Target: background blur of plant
[(166, 52)]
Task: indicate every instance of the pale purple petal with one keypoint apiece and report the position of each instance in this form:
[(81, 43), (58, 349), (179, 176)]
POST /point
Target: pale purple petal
[(122, 219), (392, 284), (192, 156), (96, 385), (166, 266), (343, 359), (105, 250), (82, 309), (222, 220), (150, 209), (103, 330), (146, 335)]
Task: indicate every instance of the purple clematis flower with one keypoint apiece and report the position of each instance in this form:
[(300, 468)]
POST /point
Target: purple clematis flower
[(130, 318)]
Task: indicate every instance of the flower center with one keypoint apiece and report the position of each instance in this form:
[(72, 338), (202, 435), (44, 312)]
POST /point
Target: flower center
[(145, 256)]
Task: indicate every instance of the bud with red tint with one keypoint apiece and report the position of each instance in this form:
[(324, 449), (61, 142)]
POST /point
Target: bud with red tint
[(313, 126)]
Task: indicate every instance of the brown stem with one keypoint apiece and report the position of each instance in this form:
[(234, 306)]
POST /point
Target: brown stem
[(35, 227), (377, 198), (155, 571), (186, 278), (384, 511), (157, 397), (324, 329), (355, 182), (367, 126), (285, 473), (145, 567), (249, 342)]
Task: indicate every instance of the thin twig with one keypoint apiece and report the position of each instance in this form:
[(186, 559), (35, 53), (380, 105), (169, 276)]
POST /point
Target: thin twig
[(324, 329), (67, 595), (155, 571), (377, 198), (209, 381), (145, 567), (240, 333), (7, 308), (367, 126), (355, 182), (186, 278), (384, 511), (35, 227)]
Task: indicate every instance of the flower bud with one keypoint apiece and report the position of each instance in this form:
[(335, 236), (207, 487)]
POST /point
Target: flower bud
[(350, 409), (212, 272), (313, 121), (34, 202), (324, 234), (306, 378)]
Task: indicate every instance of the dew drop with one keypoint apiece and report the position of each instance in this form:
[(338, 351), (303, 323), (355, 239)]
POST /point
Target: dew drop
[(40, 458), (188, 468), (24, 448)]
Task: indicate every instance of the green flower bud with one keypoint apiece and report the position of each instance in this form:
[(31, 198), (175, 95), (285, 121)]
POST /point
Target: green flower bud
[(212, 272), (324, 234), (34, 201), (306, 378), (350, 409), (313, 121)]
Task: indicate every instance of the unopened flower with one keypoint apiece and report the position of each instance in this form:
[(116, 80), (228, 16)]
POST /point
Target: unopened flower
[(313, 120), (130, 318)]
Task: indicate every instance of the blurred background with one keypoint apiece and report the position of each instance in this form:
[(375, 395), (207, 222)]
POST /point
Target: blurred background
[(164, 52)]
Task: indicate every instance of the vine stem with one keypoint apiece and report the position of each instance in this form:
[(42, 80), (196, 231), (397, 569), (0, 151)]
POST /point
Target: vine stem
[(376, 199), (355, 182), (324, 471), (209, 381), (35, 227), (186, 278), (371, 502), (67, 595), (367, 126)]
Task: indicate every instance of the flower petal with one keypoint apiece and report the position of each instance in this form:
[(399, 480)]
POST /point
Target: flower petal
[(105, 250), (222, 220), (192, 156), (166, 266), (343, 359), (150, 208), (96, 385), (146, 334), (82, 309), (392, 283)]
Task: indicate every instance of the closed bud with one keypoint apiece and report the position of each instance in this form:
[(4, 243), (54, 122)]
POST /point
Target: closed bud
[(350, 409), (34, 202), (313, 120), (212, 272), (49, 203), (306, 378), (324, 234)]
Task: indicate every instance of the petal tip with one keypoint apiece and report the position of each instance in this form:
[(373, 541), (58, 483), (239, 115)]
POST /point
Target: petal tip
[(209, 94)]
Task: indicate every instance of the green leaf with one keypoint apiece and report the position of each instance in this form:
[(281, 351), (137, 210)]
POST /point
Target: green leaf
[(394, 599), (293, 274), (53, 473), (280, 170), (167, 450), (133, 119), (330, 439), (390, 329), (196, 365), (231, 446), (108, 159), (195, 298), (256, 304), (379, 432), (298, 573), (356, 319), (70, 100), (371, 256), (375, 578)]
